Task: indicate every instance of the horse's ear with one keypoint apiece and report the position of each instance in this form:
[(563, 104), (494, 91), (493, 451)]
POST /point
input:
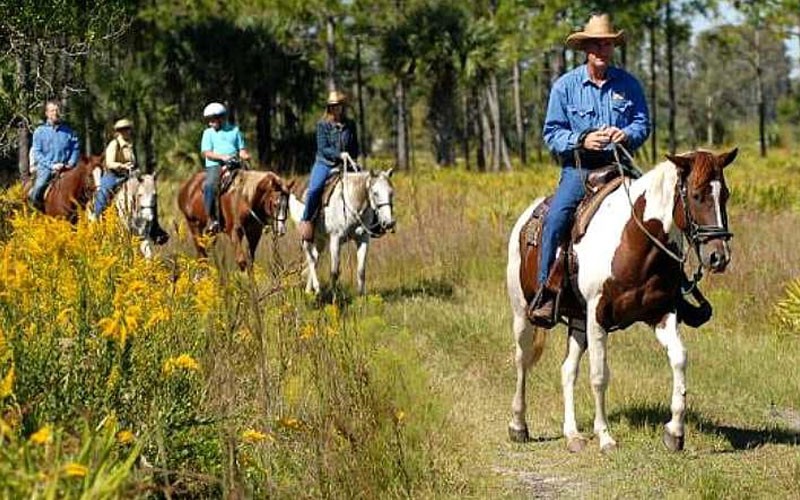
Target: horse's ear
[(371, 173), (389, 172), (727, 158), (683, 162), (290, 184)]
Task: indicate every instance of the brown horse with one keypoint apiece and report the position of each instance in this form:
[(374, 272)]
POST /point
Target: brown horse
[(69, 189), (256, 200), (629, 268)]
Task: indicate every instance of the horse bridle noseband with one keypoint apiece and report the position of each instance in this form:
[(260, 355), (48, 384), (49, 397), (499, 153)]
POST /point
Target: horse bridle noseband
[(281, 215)]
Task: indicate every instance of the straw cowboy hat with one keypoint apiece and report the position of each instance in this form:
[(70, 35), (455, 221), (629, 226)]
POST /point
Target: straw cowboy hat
[(599, 27), (124, 123), (336, 97)]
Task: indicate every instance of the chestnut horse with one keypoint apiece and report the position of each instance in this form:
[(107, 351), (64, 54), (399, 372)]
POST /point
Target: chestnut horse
[(629, 270), (255, 201), (69, 189)]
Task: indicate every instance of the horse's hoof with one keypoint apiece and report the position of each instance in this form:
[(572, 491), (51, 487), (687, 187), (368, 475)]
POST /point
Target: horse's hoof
[(576, 444), (673, 443), (519, 435), (608, 448)]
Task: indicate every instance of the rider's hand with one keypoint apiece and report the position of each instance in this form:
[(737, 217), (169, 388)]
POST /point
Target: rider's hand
[(344, 155), (597, 140), (57, 166), (616, 135)]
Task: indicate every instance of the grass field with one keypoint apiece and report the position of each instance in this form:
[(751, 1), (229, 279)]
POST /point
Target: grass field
[(229, 384)]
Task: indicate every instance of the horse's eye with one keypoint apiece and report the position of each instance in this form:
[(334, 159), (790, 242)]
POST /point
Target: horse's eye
[(696, 196)]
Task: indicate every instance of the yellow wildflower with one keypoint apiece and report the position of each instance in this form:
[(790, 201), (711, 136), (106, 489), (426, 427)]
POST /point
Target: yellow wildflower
[(307, 331), (399, 416), (43, 435), (290, 423), (254, 436), (73, 469), (332, 312), (184, 362), (7, 384), (125, 437)]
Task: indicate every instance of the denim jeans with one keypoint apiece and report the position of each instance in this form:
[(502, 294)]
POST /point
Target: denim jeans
[(210, 189), (43, 176), (108, 185), (316, 185), (558, 220)]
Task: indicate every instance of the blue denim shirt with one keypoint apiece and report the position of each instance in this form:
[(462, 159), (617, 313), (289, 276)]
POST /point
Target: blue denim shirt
[(333, 138), (55, 144), (577, 105)]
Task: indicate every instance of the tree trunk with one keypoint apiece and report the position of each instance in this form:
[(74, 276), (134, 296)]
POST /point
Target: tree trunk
[(330, 52), (465, 131), (264, 130), (653, 94), (523, 153), (494, 113), (762, 133), (401, 124), (478, 122), (362, 120), (23, 147), (710, 120), (671, 78)]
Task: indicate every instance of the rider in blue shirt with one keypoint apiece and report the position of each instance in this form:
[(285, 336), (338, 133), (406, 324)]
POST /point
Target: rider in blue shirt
[(336, 142), (590, 108), (55, 147), (221, 142)]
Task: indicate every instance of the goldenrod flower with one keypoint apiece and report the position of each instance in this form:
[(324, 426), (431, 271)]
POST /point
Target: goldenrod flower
[(254, 436), (7, 384), (73, 469), (184, 362), (43, 435), (125, 437)]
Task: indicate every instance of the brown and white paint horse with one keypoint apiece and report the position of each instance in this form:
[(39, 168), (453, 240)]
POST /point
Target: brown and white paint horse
[(625, 277)]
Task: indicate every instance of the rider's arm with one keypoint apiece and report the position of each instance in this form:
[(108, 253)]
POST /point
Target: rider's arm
[(241, 147), (639, 128), (38, 148), (557, 132), (75, 149), (111, 156)]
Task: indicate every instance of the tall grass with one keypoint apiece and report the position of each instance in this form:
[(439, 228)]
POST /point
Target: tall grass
[(176, 377)]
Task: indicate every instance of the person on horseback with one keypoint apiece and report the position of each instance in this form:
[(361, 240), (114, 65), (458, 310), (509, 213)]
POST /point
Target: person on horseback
[(590, 108), (55, 147), (120, 163), (336, 142), (221, 142)]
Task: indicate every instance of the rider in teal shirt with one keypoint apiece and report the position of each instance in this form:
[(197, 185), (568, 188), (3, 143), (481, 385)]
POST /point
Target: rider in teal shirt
[(221, 142)]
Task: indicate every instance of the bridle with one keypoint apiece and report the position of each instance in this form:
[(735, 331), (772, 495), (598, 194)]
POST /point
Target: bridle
[(696, 234), (279, 217)]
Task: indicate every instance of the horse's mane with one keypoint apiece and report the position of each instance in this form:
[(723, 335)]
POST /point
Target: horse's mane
[(248, 181), (659, 190), (357, 188)]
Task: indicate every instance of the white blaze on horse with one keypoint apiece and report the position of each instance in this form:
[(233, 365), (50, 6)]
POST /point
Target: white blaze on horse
[(360, 207), (629, 269), (136, 202)]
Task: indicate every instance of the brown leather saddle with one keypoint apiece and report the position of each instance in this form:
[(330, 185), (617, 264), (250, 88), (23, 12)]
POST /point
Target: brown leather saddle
[(564, 273)]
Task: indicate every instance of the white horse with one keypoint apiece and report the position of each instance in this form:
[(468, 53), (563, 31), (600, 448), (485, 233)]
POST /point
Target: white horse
[(360, 207), (626, 275), (137, 205)]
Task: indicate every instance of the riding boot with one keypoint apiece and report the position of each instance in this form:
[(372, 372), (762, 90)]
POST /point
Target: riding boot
[(307, 230), (542, 309), (213, 227)]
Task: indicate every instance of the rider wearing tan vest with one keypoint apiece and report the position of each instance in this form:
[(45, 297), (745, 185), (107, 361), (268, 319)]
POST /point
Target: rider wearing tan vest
[(120, 161)]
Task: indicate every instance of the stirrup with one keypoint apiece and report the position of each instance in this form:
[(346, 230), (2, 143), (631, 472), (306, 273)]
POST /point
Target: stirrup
[(537, 302)]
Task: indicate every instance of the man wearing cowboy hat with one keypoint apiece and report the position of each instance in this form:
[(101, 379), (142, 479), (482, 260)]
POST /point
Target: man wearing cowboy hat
[(591, 108), (120, 162), (336, 142)]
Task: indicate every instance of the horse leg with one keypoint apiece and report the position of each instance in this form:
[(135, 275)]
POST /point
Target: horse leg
[(599, 374), (667, 335), (576, 346), (312, 257), (335, 245), (362, 247), (529, 347), (253, 236), (237, 235)]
